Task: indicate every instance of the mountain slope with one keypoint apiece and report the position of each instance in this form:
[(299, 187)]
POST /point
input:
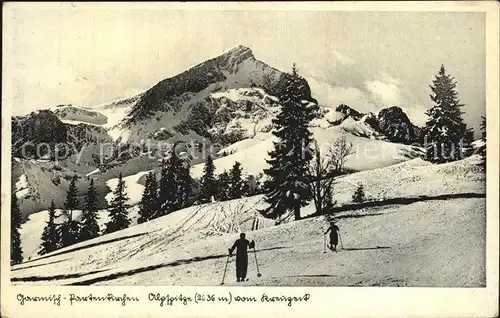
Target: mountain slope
[(227, 103), (393, 244), (179, 102)]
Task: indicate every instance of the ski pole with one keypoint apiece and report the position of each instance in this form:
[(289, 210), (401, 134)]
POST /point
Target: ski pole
[(224, 276), (255, 254)]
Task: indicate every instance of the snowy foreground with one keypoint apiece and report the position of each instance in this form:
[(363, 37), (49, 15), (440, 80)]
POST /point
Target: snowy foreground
[(427, 228)]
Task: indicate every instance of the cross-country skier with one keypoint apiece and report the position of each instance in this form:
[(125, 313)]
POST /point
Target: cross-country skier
[(334, 238), (241, 245)]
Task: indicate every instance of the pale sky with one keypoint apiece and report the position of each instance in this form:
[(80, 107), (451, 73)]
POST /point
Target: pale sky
[(367, 60)]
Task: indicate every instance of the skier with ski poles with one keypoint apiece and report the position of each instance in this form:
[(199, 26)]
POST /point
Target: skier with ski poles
[(241, 245), (334, 239)]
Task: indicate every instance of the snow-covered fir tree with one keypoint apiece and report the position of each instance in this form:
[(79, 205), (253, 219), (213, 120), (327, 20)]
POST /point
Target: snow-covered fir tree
[(236, 182), (223, 184), (482, 151), (359, 194), (118, 214), (208, 182), (169, 185), (287, 187), (89, 227), (185, 183), (447, 137), (147, 206), (251, 186), (16, 252), (50, 235), (175, 185), (163, 191), (70, 230)]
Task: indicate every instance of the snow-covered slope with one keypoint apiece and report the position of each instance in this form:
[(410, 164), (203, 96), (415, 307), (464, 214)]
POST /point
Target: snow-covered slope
[(369, 153), (133, 189), (32, 230), (228, 101), (209, 219), (72, 114), (38, 182), (436, 240)]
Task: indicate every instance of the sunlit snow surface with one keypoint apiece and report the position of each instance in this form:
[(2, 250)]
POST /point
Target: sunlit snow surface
[(436, 239)]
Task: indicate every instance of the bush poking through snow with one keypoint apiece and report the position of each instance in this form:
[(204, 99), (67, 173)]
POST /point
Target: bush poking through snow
[(359, 194)]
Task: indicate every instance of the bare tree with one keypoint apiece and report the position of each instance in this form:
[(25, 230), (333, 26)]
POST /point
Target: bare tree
[(338, 153), (322, 176), (323, 170)]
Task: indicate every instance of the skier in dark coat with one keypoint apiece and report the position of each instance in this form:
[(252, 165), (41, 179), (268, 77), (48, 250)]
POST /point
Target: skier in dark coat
[(334, 238), (241, 245)]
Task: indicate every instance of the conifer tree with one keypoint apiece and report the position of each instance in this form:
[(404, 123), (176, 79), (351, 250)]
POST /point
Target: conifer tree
[(163, 191), (446, 135), (147, 206), (174, 184), (359, 194), (89, 227), (251, 186), (118, 214), (236, 182), (223, 183), (50, 235), (71, 202), (482, 151), (16, 252), (287, 187), (208, 182), (185, 183), (70, 229)]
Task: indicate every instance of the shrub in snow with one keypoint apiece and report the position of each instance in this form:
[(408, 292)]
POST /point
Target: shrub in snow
[(359, 194)]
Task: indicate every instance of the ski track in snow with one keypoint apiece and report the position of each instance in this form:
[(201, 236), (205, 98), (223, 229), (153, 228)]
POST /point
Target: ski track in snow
[(387, 245)]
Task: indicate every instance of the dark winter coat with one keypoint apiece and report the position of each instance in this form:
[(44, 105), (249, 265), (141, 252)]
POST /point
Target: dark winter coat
[(241, 246), (334, 239)]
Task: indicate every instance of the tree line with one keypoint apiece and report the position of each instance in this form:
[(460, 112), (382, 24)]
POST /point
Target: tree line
[(173, 191), (299, 174)]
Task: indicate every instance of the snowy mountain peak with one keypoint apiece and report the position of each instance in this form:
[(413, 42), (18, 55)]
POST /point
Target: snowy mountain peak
[(348, 111), (239, 50)]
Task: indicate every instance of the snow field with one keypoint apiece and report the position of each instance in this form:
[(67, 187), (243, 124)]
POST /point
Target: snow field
[(388, 245)]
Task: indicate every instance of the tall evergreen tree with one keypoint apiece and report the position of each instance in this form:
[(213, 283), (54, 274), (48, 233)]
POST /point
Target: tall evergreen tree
[(118, 214), (185, 183), (50, 235), (236, 182), (174, 183), (147, 206), (89, 227), (70, 229), (251, 186), (223, 183), (16, 252), (163, 191), (208, 181), (287, 187), (71, 202), (445, 129), (482, 150)]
